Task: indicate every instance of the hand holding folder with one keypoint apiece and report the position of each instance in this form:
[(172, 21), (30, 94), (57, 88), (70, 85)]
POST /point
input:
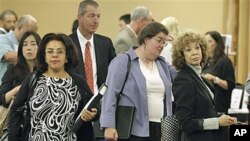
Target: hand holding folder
[(93, 102)]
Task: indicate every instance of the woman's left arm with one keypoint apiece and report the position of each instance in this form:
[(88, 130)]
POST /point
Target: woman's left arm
[(227, 82), (216, 80), (227, 79)]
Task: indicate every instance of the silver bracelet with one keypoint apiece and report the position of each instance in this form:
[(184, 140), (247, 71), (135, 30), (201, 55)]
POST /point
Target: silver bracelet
[(216, 80)]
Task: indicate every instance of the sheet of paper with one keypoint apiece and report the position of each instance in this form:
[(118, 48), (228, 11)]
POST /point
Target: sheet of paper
[(236, 98), (245, 100)]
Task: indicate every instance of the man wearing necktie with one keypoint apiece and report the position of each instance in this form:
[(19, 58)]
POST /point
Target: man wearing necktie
[(99, 48)]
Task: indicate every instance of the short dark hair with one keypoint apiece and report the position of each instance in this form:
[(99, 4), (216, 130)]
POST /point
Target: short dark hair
[(71, 53), (125, 18), (150, 31), (7, 12)]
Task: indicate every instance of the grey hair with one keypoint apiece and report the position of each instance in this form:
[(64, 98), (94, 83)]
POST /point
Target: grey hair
[(139, 12), (83, 5), (25, 20)]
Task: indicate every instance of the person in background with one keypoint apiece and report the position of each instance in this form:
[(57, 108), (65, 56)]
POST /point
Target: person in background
[(147, 88), (195, 108), (26, 63), (123, 21), (95, 51), (8, 19), (172, 24), (219, 71), (9, 42), (15, 74), (58, 96), (140, 17), (75, 25)]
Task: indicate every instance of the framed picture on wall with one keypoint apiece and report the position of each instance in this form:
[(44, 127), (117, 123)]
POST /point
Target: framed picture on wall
[(227, 38)]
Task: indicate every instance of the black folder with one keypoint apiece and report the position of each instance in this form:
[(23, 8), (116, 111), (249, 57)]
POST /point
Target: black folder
[(124, 121)]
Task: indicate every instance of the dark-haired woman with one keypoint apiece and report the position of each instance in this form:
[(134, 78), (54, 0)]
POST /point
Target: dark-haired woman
[(57, 97), (148, 87), (26, 63), (219, 71), (15, 74)]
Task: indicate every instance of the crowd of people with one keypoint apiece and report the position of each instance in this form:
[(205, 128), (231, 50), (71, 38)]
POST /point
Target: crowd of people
[(183, 73)]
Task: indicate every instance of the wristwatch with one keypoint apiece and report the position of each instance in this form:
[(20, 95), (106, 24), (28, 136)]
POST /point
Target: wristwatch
[(216, 80)]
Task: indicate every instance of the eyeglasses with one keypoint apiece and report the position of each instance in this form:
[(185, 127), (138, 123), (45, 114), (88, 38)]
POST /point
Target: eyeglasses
[(57, 52), (161, 41)]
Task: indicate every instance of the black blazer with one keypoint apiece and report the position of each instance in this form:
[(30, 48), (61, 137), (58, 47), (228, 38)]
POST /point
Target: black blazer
[(85, 132), (9, 82), (104, 51), (193, 104)]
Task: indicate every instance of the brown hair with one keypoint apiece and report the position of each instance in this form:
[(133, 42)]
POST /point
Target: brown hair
[(182, 42), (150, 31)]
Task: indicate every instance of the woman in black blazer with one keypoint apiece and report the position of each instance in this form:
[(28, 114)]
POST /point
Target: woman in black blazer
[(26, 63), (56, 98), (194, 98)]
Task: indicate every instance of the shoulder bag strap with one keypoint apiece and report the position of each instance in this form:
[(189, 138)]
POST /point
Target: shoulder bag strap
[(126, 77), (31, 84)]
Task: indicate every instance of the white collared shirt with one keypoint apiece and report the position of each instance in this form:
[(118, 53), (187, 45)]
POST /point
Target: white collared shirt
[(83, 41)]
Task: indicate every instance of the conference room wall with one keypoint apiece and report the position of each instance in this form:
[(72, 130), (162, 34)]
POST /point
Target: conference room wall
[(58, 15)]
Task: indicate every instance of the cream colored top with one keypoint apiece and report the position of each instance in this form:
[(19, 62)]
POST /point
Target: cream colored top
[(155, 92)]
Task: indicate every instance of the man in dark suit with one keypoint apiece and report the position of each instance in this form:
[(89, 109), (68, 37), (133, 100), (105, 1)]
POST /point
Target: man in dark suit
[(101, 51)]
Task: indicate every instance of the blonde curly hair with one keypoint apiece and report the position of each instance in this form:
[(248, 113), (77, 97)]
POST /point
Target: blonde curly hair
[(182, 42)]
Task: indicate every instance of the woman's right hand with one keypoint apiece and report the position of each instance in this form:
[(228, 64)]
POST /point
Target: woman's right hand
[(226, 120), (110, 134)]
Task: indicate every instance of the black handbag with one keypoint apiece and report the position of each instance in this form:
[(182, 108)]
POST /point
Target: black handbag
[(170, 130), (24, 126), (123, 121)]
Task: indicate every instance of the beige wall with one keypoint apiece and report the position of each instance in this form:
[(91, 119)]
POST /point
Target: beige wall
[(58, 15)]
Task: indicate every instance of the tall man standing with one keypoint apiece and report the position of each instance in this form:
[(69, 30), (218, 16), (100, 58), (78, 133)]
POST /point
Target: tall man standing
[(95, 53)]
